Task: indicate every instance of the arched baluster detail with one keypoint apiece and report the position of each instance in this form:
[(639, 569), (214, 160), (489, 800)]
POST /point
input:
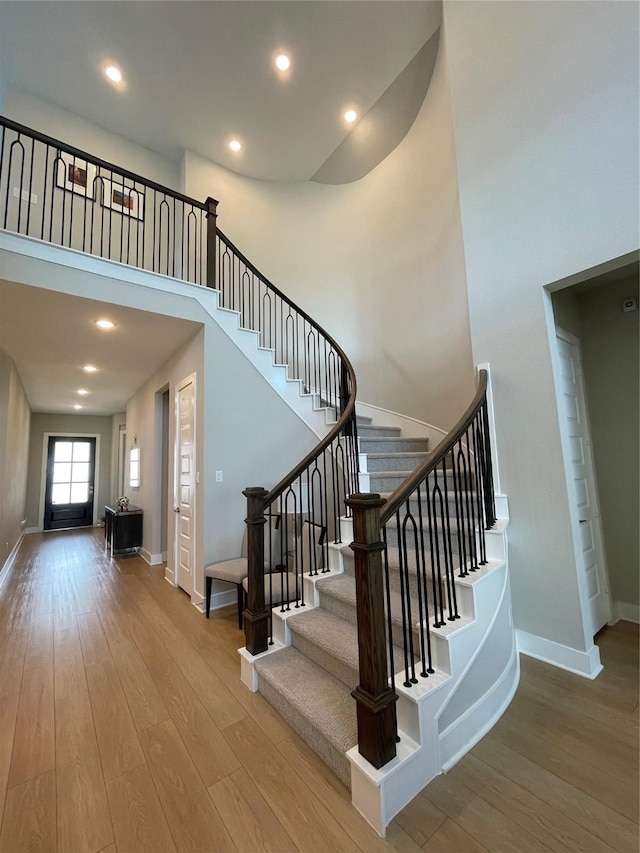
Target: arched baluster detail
[(425, 635)]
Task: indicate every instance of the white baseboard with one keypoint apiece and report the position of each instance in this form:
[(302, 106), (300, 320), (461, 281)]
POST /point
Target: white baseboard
[(35, 529), (491, 706), (586, 663), (152, 559), (625, 611), (223, 599), (8, 563)]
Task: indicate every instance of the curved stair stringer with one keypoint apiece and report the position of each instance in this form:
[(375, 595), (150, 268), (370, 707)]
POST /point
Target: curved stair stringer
[(440, 720), (70, 271), (307, 405)]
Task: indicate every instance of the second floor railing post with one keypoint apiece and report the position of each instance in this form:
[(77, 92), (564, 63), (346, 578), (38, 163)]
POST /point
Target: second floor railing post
[(212, 215), (256, 616), (375, 699)]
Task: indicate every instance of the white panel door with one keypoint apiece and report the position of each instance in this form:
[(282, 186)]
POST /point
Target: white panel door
[(185, 487), (593, 570)]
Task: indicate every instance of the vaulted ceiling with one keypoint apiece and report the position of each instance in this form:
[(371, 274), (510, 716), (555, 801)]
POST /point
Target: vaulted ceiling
[(197, 74)]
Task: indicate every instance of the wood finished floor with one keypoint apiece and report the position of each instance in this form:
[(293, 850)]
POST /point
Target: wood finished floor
[(124, 728)]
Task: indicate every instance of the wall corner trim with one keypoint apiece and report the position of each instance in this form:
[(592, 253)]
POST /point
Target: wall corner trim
[(587, 663), (622, 610)]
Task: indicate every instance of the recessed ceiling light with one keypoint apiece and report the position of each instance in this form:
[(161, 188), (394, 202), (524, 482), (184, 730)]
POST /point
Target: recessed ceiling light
[(283, 62), (350, 116), (77, 406), (82, 391), (104, 324), (114, 74), (235, 145), (90, 368)]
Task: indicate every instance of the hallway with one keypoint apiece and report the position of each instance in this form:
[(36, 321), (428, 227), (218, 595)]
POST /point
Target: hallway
[(124, 728)]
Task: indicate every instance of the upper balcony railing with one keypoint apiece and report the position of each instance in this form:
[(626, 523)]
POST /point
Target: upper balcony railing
[(55, 192)]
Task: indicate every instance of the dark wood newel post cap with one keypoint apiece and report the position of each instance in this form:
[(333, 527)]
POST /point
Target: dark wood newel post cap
[(365, 500), (212, 205), (255, 492)]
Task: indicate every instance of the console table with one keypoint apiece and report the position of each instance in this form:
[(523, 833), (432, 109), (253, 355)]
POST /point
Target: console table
[(123, 530)]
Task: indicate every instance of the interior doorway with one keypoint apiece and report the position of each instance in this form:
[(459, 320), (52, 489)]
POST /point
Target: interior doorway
[(70, 481), (185, 484), (598, 311), (584, 494)]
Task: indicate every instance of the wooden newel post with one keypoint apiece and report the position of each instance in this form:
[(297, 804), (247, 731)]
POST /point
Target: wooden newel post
[(212, 215), (377, 727), (256, 617)]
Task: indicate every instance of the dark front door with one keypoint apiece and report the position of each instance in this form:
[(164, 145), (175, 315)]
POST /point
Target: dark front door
[(68, 500)]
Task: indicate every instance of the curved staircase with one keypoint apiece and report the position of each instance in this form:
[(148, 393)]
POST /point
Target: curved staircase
[(310, 671)]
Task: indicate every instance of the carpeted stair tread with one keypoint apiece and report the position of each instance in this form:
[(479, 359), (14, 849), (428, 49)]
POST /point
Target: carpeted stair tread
[(393, 444), (404, 460), (332, 643), (337, 637), (318, 706), (373, 431), (343, 588)]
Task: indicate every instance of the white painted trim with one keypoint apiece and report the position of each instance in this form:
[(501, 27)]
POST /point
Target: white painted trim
[(622, 610), (585, 663), (191, 379), (248, 674), (496, 693), (43, 473), (223, 599), (411, 427), (151, 559), (33, 530), (497, 612), (585, 605), (5, 571)]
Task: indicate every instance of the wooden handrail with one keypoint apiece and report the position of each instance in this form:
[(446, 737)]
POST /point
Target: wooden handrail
[(350, 405), (406, 489), (97, 161)]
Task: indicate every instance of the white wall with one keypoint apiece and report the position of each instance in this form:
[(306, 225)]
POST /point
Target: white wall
[(545, 112), (76, 131), (379, 262), (15, 416), (240, 422)]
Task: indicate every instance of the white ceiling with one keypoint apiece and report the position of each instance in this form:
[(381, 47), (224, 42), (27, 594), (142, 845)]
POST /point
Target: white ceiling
[(50, 336), (199, 73), (196, 74)]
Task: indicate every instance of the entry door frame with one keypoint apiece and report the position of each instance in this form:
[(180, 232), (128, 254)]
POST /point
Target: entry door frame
[(179, 386), (43, 473), (585, 604)]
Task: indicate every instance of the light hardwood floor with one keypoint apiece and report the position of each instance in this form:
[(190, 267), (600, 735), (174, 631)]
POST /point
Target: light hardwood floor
[(124, 728)]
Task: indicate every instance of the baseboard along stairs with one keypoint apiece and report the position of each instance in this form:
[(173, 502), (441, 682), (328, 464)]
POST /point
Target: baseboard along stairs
[(312, 667)]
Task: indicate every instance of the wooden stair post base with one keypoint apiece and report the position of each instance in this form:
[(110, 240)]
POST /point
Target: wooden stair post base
[(377, 726), (256, 615)]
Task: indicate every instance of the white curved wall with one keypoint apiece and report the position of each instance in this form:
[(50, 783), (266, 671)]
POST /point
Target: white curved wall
[(379, 262), (545, 103)]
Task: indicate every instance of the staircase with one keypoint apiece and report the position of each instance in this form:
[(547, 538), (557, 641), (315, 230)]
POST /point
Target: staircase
[(433, 605), (313, 666)]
